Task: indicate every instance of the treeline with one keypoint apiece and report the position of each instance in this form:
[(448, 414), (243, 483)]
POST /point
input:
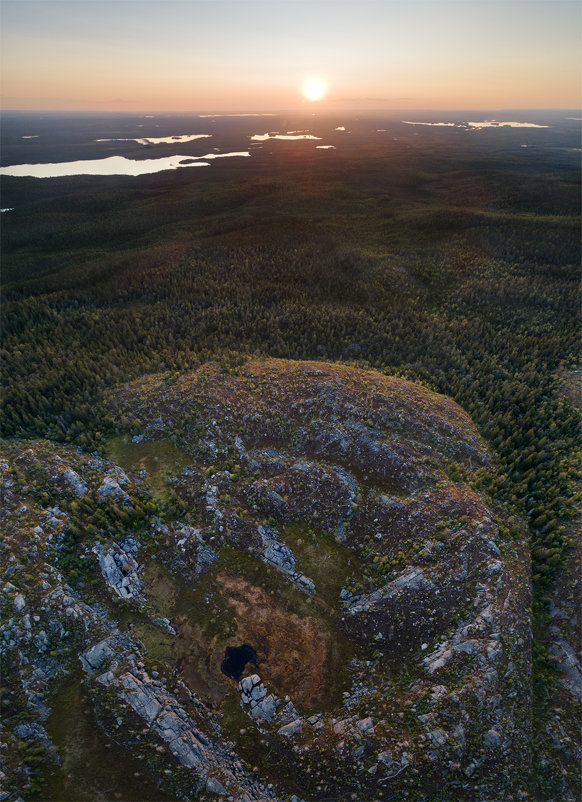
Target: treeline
[(481, 306)]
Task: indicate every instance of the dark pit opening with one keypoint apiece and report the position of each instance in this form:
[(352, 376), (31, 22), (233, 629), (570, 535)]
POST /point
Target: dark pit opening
[(235, 660)]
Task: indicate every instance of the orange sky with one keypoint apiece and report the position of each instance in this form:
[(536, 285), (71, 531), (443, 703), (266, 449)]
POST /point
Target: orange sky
[(192, 56)]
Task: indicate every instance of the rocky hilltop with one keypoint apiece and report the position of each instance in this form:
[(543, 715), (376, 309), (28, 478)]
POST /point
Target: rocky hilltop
[(285, 581)]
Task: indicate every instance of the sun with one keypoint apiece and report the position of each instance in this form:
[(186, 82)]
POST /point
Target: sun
[(314, 89)]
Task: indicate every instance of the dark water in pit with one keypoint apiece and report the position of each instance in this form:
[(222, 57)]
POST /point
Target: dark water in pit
[(235, 660)]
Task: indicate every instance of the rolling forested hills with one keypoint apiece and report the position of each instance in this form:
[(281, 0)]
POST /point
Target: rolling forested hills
[(443, 256)]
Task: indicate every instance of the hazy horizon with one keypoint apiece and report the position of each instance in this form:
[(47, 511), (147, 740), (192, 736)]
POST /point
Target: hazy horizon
[(231, 56), (208, 112)]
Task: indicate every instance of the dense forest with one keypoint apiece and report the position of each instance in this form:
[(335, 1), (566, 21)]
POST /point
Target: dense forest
[(456, 267)]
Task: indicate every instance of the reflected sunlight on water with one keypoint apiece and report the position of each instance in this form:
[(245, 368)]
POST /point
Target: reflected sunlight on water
[(114, 165), (264, 137), (478, 125), (159, 140)]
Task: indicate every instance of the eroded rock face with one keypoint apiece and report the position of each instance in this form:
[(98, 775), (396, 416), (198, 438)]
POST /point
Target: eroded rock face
[(327, 518)]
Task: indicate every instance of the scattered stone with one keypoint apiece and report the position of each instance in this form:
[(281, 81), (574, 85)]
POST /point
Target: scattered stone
[(366, 725), (569, 664), (281, 557), (119, 567), (111, 489), (93, 658), (293, 728), (492, 739), (77, 485), (165, 624), (254, 694), (438, 737), (205, 557), (213, 786)]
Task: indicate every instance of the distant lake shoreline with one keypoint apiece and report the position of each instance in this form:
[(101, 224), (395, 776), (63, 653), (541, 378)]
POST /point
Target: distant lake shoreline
[(113, 165)]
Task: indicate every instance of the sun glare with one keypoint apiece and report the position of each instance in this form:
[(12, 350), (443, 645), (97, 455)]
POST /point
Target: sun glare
[(314, 89)]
